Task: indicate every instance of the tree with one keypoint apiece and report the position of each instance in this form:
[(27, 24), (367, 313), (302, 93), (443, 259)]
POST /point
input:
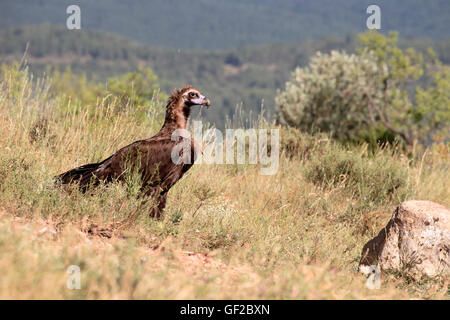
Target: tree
[(133, 88), (368, 96), (432, 111)]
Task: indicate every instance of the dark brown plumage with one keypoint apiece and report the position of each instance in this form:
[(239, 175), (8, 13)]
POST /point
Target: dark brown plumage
[(151, 157)]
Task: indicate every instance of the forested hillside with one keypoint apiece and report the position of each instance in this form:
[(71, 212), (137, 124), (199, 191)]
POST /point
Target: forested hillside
[(207, 24), (247, 75)]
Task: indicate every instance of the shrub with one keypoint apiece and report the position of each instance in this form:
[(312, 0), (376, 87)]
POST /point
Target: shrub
[(326, 96), (376, 179), (297, 144), (368, 97)]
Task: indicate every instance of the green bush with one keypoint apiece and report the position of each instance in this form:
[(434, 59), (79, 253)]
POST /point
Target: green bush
[(297, 144), (377, 179), (370, 96), (327, 95)]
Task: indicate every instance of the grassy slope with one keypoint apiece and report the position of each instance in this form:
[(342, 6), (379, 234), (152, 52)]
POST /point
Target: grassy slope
[(239, 235)]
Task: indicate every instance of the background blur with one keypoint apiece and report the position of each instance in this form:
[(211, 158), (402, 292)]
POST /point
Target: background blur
[(239, 52)]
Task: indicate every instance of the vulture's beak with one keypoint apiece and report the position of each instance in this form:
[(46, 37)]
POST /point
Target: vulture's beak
[(205, 102), (201, 101)]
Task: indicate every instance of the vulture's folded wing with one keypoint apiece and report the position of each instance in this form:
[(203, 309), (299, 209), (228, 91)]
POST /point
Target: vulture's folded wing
[(152, 159)]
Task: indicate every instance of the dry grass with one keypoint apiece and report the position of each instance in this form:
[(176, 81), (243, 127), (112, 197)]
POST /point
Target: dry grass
[(228, 231)]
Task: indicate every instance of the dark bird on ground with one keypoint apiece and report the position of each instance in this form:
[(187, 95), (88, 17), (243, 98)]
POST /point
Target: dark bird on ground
[(152, 157)]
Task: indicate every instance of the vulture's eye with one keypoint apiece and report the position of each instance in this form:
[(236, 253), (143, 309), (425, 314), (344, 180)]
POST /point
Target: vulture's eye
[(192, 94)]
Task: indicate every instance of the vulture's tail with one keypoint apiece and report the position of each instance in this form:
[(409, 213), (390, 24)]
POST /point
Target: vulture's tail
[(82, 175)]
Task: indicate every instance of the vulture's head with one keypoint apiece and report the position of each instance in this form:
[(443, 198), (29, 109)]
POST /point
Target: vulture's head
[(179, 106), (192, 97)]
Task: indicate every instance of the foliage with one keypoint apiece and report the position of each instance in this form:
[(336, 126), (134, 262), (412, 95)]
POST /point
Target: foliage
[(134, 88), (366, 96), (375, 178), (432, 111), (413, 113), (297, 144), (328, 95), (76, 87), (236, 235)]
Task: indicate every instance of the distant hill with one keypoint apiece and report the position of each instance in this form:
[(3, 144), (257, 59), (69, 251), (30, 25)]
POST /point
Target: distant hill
[(206, 24), (245, 75)]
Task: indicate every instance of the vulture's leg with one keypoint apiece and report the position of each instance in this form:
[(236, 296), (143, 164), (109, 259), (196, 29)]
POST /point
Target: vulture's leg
[(162, 204), (160, 197), (157, 210)]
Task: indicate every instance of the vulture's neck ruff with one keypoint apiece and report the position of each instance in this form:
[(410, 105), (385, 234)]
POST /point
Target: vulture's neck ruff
[(177, 115)]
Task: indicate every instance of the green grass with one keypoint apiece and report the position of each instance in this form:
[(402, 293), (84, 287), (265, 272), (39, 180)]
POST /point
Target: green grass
[(226, 232)]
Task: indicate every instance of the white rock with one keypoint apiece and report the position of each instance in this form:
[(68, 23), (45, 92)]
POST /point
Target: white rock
[(416, 239)]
